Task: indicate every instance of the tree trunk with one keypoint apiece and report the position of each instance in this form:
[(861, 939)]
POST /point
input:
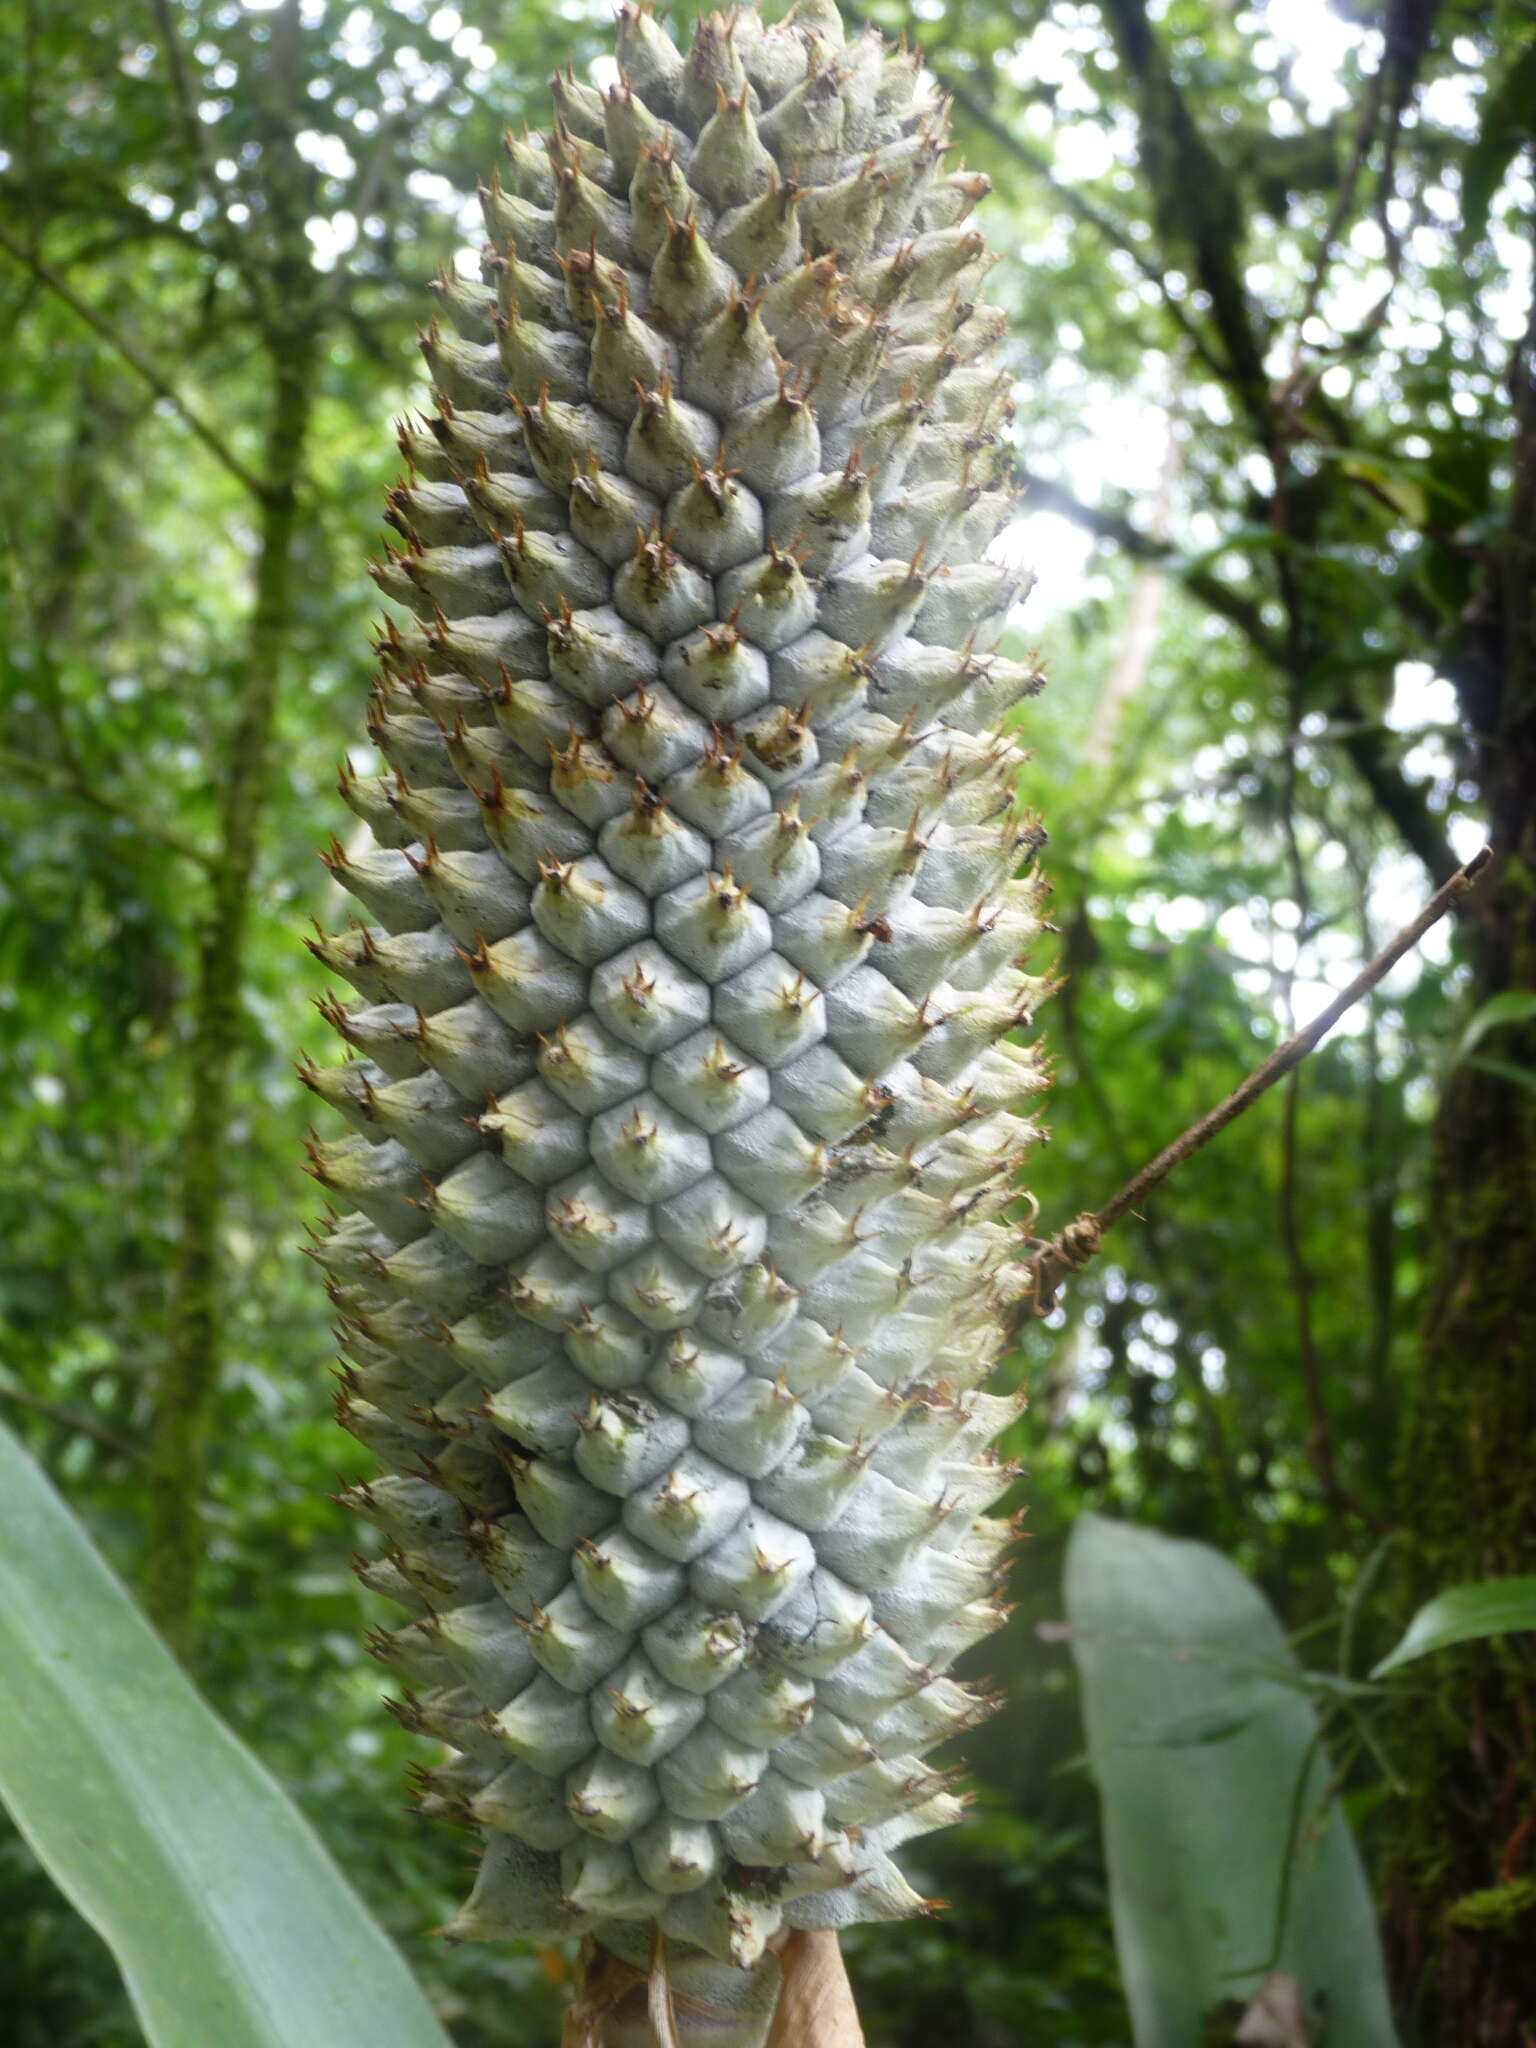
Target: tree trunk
[(1460, 1897), (194, 1344), (280, 276)]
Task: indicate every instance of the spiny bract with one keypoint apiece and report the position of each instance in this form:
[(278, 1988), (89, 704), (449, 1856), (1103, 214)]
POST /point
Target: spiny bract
[(686, 1108)]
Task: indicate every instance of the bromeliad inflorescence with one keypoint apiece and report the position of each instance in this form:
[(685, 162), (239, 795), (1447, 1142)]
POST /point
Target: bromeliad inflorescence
[(686, 1101)]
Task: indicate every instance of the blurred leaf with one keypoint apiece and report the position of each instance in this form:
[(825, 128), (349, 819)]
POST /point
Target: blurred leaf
[(227, 1917), (1387, 479), (1514, 1006), (1464, 1614), (1210, 1848)]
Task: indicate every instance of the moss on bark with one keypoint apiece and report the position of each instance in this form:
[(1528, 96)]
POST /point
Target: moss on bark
[(1466, 1472)]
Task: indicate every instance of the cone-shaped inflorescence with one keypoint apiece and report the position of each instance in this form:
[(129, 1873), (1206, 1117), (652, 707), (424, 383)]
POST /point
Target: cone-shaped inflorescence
[(686, 1103)]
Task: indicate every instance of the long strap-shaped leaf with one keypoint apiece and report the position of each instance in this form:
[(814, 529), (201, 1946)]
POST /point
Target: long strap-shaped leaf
[(229, 1921), (1227, 1860)]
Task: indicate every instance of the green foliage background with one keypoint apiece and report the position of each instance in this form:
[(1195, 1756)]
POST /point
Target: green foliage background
[(1248, 821)]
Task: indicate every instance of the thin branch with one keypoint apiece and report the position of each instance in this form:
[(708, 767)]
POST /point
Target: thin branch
[(1371, 747), (70, 782), (1372, 751), (1408, 31), (1181, 1288), (69, 1418), (66, 195), (1084, 209), (235, 245), (1296, 1048), (135, 357), (186, 104), (1379, 1171), (1406, 37), (364, 196), (1081, 1240), (1195, 200), (1343, 205), (1045, 495)]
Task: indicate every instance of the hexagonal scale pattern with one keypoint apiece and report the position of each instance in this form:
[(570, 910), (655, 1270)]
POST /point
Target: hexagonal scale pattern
[(684, 1106)]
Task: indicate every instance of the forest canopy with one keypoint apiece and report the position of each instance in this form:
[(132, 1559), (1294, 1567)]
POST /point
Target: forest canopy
[(1268, 274)]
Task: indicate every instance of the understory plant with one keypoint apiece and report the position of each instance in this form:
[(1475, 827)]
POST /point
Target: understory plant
[(687, 1095)]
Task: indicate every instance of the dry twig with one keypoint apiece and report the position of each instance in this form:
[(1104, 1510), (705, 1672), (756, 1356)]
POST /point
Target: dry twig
[(1052, 1259)]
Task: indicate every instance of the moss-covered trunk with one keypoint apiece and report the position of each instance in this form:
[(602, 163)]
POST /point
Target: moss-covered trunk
[(284, 287), (1461, 1878), (190, 1374)]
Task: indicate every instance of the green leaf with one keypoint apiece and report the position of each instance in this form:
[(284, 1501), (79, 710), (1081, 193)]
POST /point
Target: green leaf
[(1514, 1006), (226, 1916), (1226, 1858), (1405, 494), (1463, 1614)]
